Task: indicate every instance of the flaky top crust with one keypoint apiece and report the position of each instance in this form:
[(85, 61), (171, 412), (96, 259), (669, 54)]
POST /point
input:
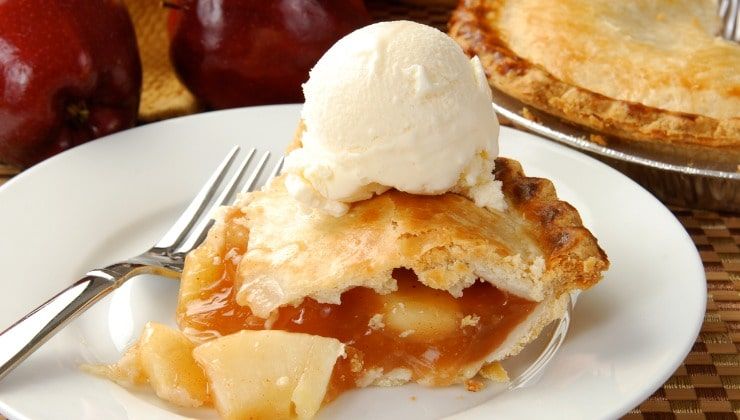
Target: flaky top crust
[(543, 53), (537, 248)]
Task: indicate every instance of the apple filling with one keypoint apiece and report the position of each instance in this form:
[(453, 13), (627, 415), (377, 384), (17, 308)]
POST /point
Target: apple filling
[(413, 334)]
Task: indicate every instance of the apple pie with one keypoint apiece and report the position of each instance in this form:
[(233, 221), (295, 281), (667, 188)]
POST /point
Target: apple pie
[(650, 71), (427, 289), (284, 307)]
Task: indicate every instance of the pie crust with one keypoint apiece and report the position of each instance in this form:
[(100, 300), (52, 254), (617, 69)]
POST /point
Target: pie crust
[(546, 54), (536, 248)]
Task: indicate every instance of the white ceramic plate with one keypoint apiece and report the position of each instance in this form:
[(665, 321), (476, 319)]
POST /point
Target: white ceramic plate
[(114, 197)]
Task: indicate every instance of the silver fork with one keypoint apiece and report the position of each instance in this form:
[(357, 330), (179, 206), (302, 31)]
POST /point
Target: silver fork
[(165, 258), (729, 10)]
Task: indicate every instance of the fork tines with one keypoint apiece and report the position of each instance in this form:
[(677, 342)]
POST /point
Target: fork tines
[(729, 10), (190, 228)]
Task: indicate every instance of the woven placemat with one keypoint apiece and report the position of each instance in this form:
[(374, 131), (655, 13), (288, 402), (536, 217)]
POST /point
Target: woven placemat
[(162, 96), (705, 386)]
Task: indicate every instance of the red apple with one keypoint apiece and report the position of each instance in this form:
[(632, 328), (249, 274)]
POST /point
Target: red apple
[(69, 72), (232, 53)]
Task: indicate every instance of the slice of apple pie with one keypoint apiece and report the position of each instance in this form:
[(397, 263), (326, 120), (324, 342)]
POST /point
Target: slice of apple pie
[(403, 288), (425, 289)]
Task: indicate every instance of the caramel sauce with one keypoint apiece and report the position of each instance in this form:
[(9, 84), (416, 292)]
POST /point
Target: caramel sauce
[(446, 333)]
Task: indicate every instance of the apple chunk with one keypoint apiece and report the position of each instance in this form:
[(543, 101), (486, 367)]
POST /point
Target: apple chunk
[(268, 374), (422, 317), (163, 357), (167, 358)]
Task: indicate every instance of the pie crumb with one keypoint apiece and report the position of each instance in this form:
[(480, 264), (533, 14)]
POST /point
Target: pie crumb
[(469, 321), (526, 113), (474, 385), (406, 333), (598, 139), (369, 377), (355, 364), (398, 306), (376, 322), (494, 372), (233, 256)]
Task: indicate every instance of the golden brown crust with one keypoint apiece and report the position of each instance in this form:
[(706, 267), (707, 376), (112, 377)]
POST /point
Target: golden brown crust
[(572, 251), (535, 249), (473, 25), (296, 252), (494, 372)]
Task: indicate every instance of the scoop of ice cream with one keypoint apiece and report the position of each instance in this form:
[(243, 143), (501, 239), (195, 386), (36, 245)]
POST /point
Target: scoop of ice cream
[(395, 105)]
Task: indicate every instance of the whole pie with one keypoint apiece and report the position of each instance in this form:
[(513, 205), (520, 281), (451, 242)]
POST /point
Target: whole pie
[(652, 71)]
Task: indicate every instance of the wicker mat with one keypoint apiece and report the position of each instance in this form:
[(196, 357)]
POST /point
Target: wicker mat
[(706, 386)]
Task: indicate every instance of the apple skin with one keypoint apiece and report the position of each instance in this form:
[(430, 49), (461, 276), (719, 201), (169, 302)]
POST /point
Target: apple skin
[(69, 72), (233, 53)]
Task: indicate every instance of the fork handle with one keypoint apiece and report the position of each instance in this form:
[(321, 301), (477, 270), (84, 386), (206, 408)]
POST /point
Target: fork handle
[(25, 336)]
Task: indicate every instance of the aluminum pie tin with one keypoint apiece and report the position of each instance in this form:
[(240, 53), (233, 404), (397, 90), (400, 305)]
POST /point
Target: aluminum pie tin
[(685, 176)]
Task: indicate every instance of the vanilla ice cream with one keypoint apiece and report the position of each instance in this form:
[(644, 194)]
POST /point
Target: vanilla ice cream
[(395, 105)]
